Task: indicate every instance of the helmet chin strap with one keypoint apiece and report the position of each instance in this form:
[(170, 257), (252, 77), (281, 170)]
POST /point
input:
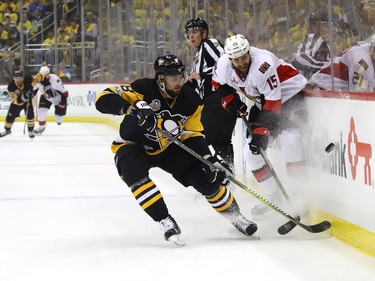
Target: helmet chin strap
[(161, 83)]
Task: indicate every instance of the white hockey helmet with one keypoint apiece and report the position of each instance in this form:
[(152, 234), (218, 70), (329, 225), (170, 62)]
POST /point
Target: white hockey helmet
[(44, 70), (236, 46)]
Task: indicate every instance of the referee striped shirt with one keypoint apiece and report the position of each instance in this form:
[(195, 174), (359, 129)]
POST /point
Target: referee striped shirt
[(304, 59), (205, 59)]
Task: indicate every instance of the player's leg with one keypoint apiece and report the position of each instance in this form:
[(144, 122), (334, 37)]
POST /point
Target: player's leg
[(44, 105), (262, 174), (188, 171), (12, 115), (218, 126), (133, 167)]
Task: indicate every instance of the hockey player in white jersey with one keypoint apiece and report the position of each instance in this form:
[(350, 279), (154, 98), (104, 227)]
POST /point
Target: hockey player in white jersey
[(280, 111), (353, 70), (56, 95)]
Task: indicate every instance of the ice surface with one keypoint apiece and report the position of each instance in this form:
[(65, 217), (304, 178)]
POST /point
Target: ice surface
[(66, 215)]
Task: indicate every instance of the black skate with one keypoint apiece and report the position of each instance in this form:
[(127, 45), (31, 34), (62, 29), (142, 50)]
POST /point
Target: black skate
[(171, 230), (4, 133), (31, 134), (244, 226)]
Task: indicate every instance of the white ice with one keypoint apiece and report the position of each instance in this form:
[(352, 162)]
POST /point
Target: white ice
[(66, 215)]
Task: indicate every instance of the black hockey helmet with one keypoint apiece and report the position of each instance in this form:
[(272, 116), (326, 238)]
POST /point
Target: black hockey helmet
[(318, 17), (17, 72), (169, 65), (196, 23)]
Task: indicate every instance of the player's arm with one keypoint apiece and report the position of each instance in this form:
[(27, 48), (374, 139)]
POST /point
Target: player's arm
[(117, 100)]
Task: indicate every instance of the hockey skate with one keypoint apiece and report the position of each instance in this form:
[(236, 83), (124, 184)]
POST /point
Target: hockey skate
[(171, 230), (40, 129), (244, 226), (4, 133), (262, 211), (31, 134)]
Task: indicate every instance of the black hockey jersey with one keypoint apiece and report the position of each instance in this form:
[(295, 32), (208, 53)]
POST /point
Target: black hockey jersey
[(180, 116), (16, 90)]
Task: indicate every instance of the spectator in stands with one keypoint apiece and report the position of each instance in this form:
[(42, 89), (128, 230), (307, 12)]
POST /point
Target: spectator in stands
[(8, 6), (63, 25), (3, 34), (62, 72), (73, 27), (13, 34), (91, 17), (13, 15), (74, 38), (7, 21), (36, 10), (90, 31), (26, 24), (114, 2), (314, 50), (62, 37)]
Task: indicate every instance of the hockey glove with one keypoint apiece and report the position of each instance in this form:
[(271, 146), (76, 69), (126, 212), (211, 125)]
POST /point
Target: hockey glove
[(146, 117), (259, 139), (49, 92), (217, 176), (233, 104), (62, 103), (25, 96)]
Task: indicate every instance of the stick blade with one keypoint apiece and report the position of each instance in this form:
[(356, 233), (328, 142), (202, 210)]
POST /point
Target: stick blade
[(315, 228), (288, 226), (320, 227)]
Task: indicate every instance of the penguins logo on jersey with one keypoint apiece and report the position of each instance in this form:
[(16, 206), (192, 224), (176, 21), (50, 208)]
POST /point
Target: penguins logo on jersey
[(174, 124)]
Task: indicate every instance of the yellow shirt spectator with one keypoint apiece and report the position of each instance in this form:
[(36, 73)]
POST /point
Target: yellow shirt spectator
[(73, 27), (3, 32), (8, 4)]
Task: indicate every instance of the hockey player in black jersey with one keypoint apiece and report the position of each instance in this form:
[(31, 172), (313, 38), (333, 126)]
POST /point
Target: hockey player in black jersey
[(21, 92), (166, 103), (217, 122)]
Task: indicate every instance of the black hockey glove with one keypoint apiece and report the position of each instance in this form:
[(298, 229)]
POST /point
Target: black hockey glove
[(217, 176), (146, 117), (259, 139), (25, 96), (233, 104), (49, 92), (62, 103)]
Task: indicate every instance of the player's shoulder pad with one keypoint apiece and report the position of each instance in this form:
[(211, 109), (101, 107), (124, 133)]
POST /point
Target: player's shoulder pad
[(262, 60), (190, 96), (143, 85)]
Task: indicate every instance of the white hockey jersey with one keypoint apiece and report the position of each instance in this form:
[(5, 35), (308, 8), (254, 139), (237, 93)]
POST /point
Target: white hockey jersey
[(58, 89), (268, 75), (353, 71)]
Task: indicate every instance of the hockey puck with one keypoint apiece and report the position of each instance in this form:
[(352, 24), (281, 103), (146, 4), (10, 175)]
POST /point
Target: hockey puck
[(330, 147)]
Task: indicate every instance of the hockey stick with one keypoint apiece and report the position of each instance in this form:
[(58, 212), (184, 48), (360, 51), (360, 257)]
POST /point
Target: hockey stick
[(316, 228), (268, 163), (26, 113), (252, 98), (287, 227)]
